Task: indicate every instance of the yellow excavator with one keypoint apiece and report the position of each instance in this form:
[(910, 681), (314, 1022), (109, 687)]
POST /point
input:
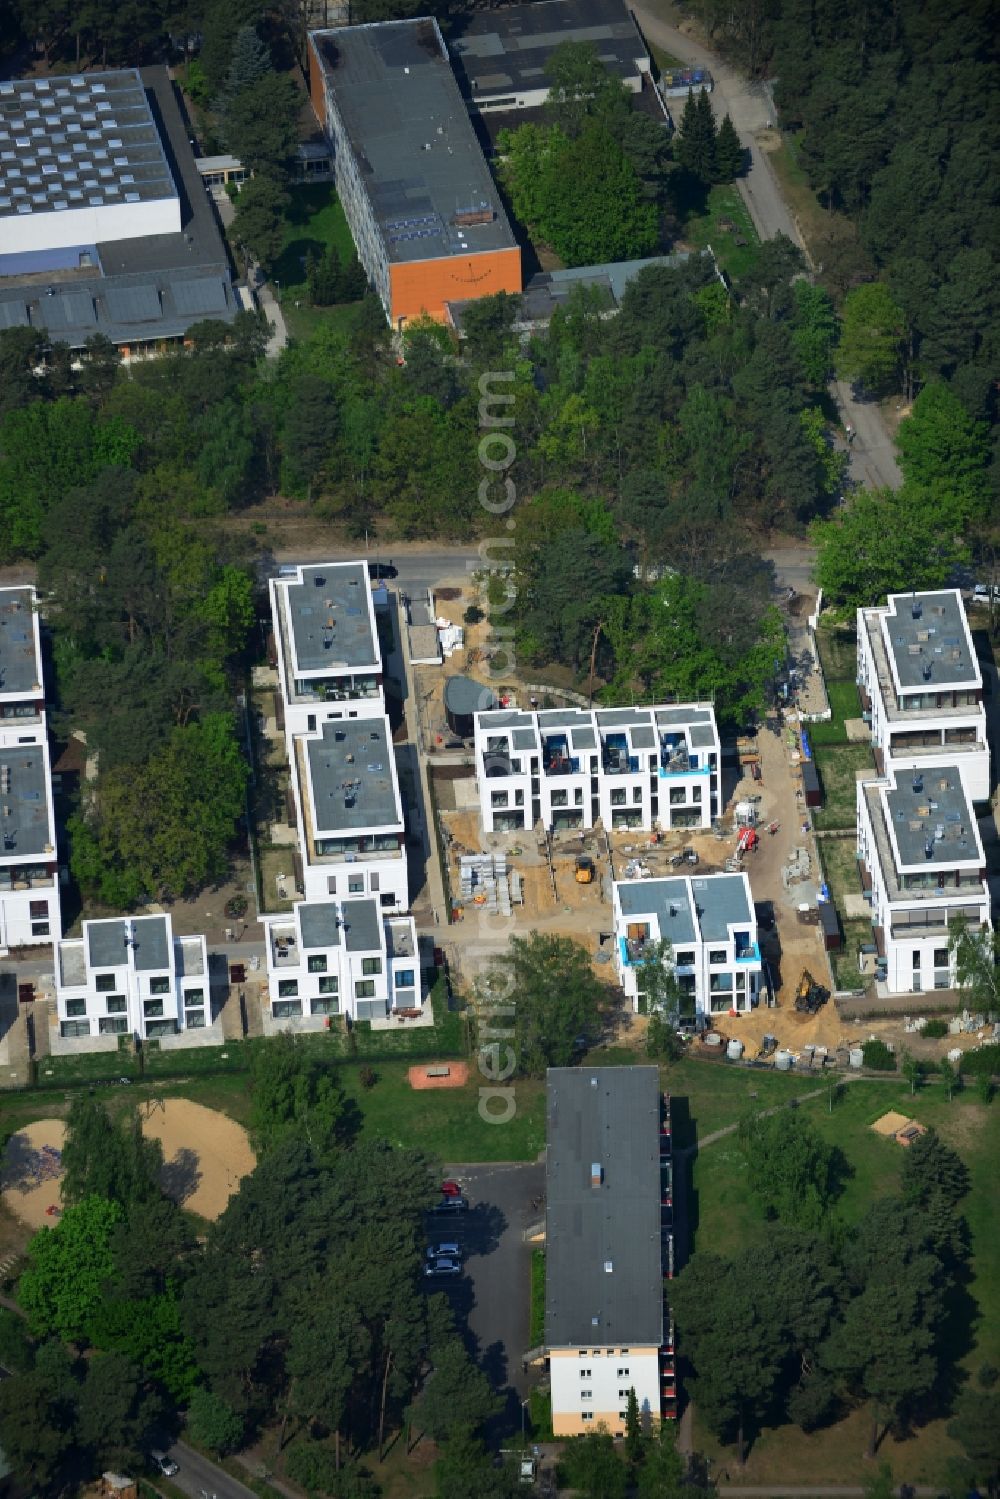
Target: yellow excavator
[(584, 869)]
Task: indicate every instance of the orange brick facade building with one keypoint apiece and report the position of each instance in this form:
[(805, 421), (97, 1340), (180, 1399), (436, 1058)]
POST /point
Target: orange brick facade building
[(424, 211)]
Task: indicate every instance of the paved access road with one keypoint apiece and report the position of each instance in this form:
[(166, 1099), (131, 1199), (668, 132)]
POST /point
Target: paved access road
[(418, 567), (872, 459), (494, 1292), (199, 1477), (750, 109)]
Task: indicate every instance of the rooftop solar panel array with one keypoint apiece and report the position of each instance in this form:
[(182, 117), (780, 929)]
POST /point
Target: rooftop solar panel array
[(78, 142)]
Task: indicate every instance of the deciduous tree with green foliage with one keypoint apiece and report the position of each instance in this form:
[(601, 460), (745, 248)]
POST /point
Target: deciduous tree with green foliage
[(794, 1173), (214, 1424), (69, 1266), (882, 541), (872, 338), (548, 991), (297, 1094), (945, 454)]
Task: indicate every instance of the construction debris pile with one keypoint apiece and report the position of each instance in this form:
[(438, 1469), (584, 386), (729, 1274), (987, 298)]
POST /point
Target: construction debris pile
[(485, 881), (797, 868)]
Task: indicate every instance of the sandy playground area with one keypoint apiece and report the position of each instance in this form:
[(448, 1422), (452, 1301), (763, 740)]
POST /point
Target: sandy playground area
[(205, 1155), (438, 1075)]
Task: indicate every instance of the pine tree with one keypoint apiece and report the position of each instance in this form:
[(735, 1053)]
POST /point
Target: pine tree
[(250, 60), (633, 1429), (696, 146), (730, 157)]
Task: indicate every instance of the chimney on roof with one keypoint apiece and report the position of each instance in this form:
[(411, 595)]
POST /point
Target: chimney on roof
[(916, 607)]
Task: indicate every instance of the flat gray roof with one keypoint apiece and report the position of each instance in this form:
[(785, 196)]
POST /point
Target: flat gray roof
[(928, 637), (72, 964), (20, 668), (150, 943), (686, 907), (604, 1263), (702, 736), (678, 717), (496, 50), (419, 160), (668, 900), (506, 718), (720, 902), (931, 819), (319, 924), (362, 925), (24, 796), (106, 943), (351, 776), (78, 142), (190, 962), (331, 623)]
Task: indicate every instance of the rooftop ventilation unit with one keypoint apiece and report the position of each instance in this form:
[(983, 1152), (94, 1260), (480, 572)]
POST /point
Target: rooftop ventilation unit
[(596, 1174)]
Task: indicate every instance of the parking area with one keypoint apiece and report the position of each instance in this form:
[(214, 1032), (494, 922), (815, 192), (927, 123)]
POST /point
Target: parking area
[(491, 1296)]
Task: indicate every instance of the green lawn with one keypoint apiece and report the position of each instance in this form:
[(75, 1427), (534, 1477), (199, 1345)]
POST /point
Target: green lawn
[(302, 320), (701, 228), (314, 222), (844, 704), (446, 1122), (838, 766), (838, 651), (725, 1219)]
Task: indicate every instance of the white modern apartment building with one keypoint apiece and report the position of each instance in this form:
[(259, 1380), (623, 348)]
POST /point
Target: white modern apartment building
[(326, 645), (29, 876), (349, 813), (131, 976), (922, 866), (624, 767), (710, 923), (22, 690), (341, 957), (30, 912), (606, 1327), (921, 684)]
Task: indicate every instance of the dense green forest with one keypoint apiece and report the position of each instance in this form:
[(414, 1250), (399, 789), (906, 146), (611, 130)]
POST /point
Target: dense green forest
[(893, 104), (303, 1308)]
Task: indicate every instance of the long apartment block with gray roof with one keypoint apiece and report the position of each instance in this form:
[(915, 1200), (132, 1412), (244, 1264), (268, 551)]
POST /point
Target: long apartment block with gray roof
[(605, 1314), (22, 688), (570, 768), (710, 925), (131, 976), (326, 645), (922, 868), (349, 812), (105, 227), (501, 56), (922, 688), (427, 220), (341, 956)]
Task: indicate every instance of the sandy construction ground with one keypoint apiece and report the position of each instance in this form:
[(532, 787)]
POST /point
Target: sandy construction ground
[(25, 1160), (205, 1156)]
